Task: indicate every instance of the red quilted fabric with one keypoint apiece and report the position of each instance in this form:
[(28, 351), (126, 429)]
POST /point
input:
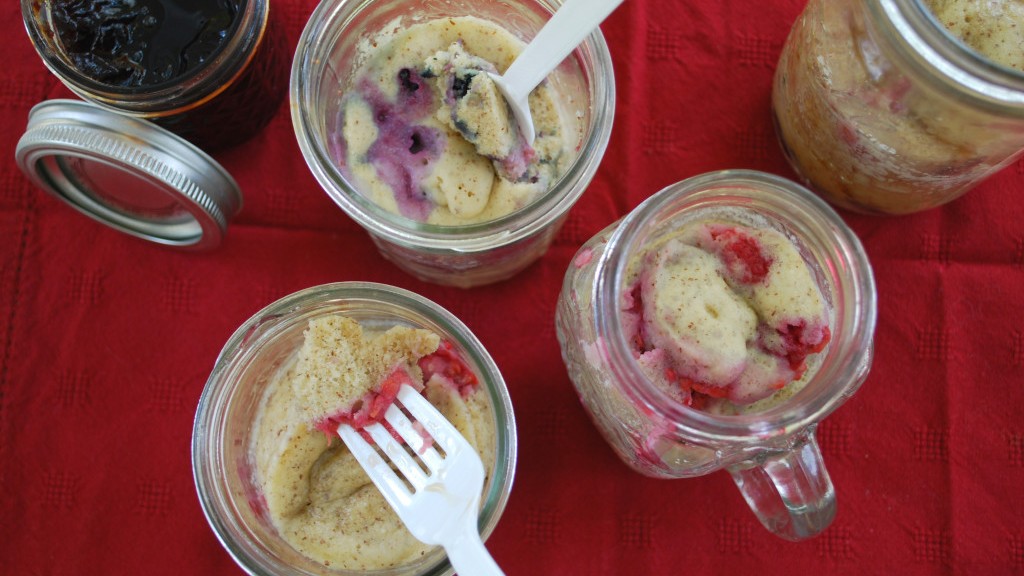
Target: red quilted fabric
[(106, 342)]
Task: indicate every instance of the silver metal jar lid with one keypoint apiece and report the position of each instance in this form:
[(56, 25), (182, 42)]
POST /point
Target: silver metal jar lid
[(129, 174)]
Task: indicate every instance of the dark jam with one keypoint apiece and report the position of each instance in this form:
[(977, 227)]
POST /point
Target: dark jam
[(245, 106), (135, 47), (132, 43)]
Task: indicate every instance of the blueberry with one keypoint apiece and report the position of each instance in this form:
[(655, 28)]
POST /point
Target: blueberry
[(464, 128), (460, 85), (405, 77), (417, 143)]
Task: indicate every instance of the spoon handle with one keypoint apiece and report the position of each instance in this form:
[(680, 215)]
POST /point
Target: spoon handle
[(566, 29)]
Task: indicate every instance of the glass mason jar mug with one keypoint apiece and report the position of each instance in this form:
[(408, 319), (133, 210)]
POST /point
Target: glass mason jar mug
[(768, 447), (223, 458), (881, 109), (213, 72), (342, 35)]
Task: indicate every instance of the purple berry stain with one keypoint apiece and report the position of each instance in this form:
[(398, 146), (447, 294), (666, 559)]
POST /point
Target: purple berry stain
[(405, 150)]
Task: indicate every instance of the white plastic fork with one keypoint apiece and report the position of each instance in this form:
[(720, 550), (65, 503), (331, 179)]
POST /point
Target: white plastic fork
[(444, 503)]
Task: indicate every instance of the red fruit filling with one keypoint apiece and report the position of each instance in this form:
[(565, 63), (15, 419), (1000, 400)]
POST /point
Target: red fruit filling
[(798, 340), (256, 499), (370, 409), (447, 364), (742, 254)]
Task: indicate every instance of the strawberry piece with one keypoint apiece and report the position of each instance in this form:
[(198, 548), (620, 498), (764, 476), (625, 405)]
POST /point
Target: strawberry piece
[(712, 391), (695, 387), (446, 363), (632, 304), (388, 391), (371, 407), (826, 336), (742, 254), (798, 346)]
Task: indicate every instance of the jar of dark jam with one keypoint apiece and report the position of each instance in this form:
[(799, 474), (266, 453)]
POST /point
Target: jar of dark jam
[(211, 71)]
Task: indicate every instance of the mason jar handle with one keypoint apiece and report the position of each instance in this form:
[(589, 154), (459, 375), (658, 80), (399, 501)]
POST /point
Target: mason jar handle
[(789, 491)]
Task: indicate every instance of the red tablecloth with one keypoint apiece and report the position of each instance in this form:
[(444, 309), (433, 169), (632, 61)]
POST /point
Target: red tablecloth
[(106, 342)]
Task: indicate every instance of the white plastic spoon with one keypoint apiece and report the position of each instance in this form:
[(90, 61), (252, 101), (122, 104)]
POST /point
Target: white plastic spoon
[(571, 23)]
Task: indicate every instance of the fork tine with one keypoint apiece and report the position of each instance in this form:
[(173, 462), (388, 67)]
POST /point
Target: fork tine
[(413, 437), (389, 484), (405, 463), (435, 423)]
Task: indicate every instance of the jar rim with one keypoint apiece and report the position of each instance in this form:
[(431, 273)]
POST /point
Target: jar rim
[(272, 322), (924, 41), (595, 60), (848, 356)]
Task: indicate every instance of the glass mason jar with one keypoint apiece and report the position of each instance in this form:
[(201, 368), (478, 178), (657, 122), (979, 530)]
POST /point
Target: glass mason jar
[(328, 54), (883, 111), (221, 460), (224, 100), (771, 453)]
